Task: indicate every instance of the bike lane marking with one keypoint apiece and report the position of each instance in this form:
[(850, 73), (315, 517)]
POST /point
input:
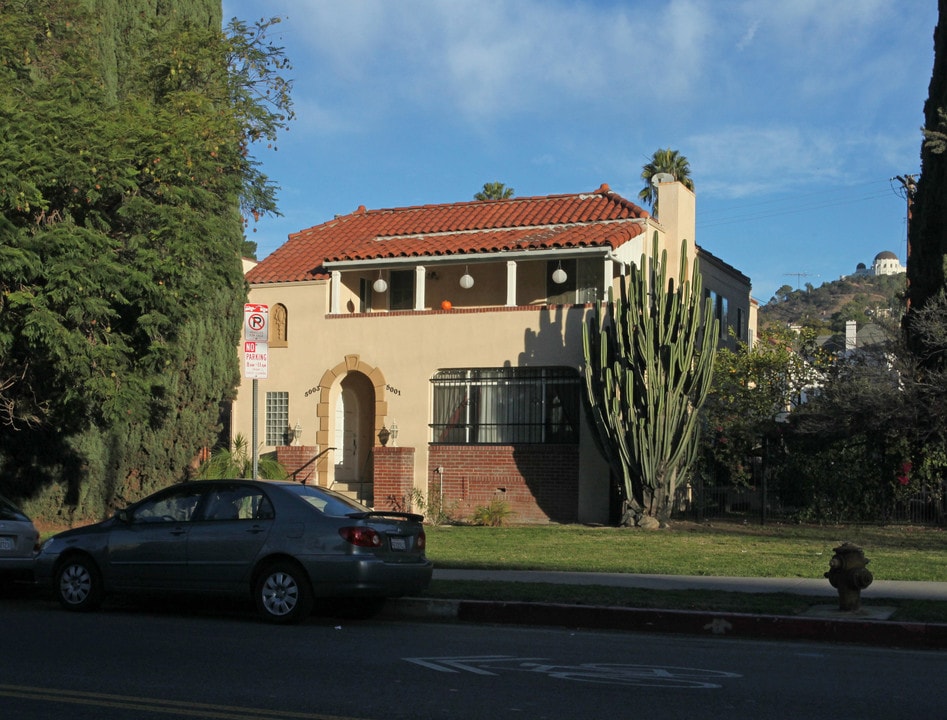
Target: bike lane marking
[(602, 673)]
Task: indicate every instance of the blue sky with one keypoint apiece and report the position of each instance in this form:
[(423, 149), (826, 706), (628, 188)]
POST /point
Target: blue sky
[(795, 115)]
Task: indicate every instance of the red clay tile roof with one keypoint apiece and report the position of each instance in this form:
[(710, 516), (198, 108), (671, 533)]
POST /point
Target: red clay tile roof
[(598, 219)]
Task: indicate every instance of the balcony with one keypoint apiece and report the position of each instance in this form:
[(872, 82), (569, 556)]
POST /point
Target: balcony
[(445, 283)]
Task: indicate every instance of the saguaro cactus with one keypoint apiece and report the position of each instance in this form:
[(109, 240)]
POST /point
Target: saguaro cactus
[(648, 361)]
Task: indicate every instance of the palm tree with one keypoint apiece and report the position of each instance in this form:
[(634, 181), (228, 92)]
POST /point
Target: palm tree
[(237, 463), (494, 191), (664, 161)]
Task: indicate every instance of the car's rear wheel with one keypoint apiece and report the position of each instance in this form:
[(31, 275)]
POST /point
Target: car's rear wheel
[(78, 584), (283, 594)]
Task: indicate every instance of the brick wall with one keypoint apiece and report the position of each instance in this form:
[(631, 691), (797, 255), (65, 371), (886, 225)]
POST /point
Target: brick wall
[(393, 477), (539, 483), (299, 461)]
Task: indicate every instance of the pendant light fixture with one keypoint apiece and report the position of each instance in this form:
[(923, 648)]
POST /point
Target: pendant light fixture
[(559, 275), (380, 285)]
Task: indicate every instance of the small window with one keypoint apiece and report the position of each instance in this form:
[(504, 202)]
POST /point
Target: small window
[(582, 285), (401, 290), (277, 418)]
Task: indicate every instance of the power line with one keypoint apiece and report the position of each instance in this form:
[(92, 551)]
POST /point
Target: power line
[(758, 210)]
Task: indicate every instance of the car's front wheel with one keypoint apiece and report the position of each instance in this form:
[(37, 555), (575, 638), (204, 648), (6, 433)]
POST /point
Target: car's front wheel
[(78, 584), (282, 593)]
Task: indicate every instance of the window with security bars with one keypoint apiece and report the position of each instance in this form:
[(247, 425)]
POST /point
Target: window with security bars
[(491, 406), (277, 418)]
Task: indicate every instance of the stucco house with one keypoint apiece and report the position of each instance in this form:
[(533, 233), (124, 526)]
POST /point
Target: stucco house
[(437, 349)]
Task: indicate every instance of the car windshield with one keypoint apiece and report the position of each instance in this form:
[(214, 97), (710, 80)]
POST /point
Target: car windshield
[(326, 501), (9, 511)]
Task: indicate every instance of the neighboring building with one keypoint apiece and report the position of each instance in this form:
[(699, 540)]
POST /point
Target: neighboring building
[(885, 263), (457, 331)]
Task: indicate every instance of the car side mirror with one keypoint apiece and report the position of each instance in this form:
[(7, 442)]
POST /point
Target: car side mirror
[(123, 516)]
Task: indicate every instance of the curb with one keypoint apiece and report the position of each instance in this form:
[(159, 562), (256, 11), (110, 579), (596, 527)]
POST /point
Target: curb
[(592, 617)]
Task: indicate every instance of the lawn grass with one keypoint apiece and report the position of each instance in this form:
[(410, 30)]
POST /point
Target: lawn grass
[(773, 550)]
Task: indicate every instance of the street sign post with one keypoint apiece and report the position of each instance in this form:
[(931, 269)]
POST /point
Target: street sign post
[(256, 331)]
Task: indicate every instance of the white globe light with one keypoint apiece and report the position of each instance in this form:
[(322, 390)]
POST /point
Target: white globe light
[(559, 276), (380, 285), (466, 281)]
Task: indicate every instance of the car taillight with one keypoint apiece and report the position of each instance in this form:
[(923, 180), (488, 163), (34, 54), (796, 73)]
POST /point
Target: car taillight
[(361, 536), (422, 540)]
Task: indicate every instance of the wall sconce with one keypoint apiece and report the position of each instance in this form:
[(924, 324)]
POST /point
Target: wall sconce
[(380, 285), (466, 280), (383, 436), (559, 275), (297, 433)]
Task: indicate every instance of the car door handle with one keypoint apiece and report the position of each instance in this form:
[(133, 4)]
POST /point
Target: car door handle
[(256, 529), (179, 531)]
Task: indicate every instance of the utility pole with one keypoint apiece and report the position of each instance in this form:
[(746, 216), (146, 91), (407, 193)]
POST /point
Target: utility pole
[(909, 184), (798, 276)]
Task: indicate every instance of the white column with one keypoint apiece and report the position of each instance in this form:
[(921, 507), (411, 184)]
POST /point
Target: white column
[(419, 275), (335, 292), (510, 283)]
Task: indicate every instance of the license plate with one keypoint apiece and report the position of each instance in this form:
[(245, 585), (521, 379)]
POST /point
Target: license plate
[(9, 543), (398, 543)]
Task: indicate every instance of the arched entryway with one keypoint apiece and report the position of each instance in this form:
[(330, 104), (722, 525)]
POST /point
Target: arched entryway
[(354, 422), (350, 412)]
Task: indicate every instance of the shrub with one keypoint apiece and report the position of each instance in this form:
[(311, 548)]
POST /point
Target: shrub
[(493, 514)]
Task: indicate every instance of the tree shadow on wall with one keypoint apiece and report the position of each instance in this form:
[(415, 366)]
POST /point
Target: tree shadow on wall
[(550, 467)]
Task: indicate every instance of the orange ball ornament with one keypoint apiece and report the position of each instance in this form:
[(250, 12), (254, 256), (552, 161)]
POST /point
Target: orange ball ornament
[(446, 305)]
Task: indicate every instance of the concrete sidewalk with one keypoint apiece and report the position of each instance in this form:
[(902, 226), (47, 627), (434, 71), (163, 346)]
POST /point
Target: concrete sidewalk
[(895, 589), (823, 623)]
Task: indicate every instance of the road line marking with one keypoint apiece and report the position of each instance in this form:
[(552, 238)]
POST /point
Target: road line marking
[(156, 705)]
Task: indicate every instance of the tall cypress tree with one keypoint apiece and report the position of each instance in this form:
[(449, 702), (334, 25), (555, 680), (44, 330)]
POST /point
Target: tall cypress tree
[(927, 233), (124, 133)]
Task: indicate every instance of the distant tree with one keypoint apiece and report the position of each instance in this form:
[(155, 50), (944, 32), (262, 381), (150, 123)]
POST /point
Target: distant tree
[(664, 161), (847, 444), (927, 230), (753, 390), (126, 168), (648, 365), (494, 191)]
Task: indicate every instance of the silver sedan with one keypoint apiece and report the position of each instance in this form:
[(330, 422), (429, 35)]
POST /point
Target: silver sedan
[(281, 543), (18, 542)]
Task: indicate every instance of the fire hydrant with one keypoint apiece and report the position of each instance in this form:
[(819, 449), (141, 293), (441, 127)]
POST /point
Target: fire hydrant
[(848, 574)]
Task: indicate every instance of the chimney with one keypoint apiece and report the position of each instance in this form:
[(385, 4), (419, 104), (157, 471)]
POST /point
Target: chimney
[(851, 336)]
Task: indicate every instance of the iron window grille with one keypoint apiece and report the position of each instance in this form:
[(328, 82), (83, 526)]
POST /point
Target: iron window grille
[(503, 406)]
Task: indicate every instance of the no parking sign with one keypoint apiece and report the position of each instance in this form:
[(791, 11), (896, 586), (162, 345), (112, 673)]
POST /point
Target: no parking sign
[(256, 323)]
